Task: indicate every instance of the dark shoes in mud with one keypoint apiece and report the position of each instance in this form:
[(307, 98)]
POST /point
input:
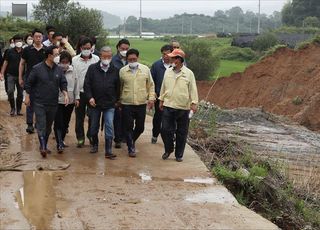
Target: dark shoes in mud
[(110, 156), (165, 156), (30, 129)]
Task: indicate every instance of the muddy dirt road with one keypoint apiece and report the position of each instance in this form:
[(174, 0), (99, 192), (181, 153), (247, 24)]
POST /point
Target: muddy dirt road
[(95, 193)]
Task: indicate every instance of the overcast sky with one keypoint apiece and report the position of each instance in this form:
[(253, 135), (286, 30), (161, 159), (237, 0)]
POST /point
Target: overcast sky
[(166, 8)]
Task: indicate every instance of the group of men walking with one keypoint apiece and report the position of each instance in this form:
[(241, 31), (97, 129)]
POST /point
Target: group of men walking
[(114, 91)]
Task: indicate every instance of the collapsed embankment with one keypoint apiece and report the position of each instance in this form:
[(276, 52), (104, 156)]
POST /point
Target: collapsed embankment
[(284, 83)]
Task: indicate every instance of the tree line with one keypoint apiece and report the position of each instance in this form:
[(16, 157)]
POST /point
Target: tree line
[(234, 20)]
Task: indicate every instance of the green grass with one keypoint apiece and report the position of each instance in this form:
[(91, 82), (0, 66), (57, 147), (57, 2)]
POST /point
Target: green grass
[(228, 67), (150, 52), (149, 49)]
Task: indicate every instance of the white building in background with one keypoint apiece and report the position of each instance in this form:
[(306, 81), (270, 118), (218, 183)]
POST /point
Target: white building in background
[(148, 35)]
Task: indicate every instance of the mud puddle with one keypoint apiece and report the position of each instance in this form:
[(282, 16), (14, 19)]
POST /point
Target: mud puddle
[(36, 199)]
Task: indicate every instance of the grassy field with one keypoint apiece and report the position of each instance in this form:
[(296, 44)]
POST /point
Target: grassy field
[(228, 67), (150, 52), (149, 49)]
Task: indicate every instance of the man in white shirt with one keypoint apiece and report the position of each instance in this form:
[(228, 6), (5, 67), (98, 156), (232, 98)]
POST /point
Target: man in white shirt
[(80, 64)]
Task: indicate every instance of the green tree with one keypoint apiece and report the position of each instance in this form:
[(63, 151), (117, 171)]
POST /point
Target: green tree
[(10, 26), (311, 22), (71, 19), (265, 41), (200, 59), (50, 11), (293, 13)]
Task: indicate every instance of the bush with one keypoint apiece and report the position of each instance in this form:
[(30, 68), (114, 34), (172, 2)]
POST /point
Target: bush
[(271, 51), (311, 22), (297, 30), (200, 59), (265, 41), (236, 54)]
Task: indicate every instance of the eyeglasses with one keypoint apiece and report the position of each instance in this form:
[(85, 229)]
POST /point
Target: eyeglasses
[(176, 47)]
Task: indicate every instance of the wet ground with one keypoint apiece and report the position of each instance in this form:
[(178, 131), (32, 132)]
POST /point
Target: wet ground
[(94, 193), (275, 138)]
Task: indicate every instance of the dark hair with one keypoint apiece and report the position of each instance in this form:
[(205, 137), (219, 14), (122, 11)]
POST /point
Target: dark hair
[(66, 55), (85, 40), (26, 37), (166, 48), (49, 50), (94, 40), (50, 27), (181, 58), (36, 31), (56, 34), (132, 51), (17, 37), (122, 41), (51, 30), (10, 40)]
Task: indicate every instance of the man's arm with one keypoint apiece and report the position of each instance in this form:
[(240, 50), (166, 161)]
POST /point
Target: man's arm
[(21, 70), (29, 84), (150, 88), (151, 92), (76, 90), (68, 47), (64, 88), (118, 88), (3, 69), (193, 92), (87, 84)]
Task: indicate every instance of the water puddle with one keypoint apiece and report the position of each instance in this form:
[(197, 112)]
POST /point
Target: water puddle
[(145, 176), (212, 195), (199, 180), (36, 199)]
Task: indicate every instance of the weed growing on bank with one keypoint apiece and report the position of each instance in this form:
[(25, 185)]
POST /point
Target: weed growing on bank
[(259, 184)]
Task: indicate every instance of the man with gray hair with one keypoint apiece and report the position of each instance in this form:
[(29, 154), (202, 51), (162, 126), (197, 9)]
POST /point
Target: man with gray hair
[(102, 89)]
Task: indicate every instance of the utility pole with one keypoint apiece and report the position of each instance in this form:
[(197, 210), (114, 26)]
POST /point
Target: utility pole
[(238, 25), (140, 18), (191, 26), (259, 17)]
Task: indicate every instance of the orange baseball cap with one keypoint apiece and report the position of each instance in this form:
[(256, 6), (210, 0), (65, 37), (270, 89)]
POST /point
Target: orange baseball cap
[(177, 53)]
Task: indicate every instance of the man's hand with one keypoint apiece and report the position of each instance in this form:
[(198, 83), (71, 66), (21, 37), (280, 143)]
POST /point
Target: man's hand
[(92, 102), (150, 104), (161, 105), (118, 105), (66, 100), (65, 40), (27, 100), (194, 107), (1, 77), (77, 103)]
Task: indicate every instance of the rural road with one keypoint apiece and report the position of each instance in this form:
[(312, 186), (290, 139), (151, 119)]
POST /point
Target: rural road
[(94, 193)]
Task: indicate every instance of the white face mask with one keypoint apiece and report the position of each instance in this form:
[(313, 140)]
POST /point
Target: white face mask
[(12, 45), (86, 53), (18, 44), (105, 61), (29, 42), (56, 60), (123, 53), (133, 65), (58, 43)]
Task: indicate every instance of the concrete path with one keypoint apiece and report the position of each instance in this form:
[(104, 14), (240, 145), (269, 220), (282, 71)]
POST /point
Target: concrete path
[(94, 193)]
